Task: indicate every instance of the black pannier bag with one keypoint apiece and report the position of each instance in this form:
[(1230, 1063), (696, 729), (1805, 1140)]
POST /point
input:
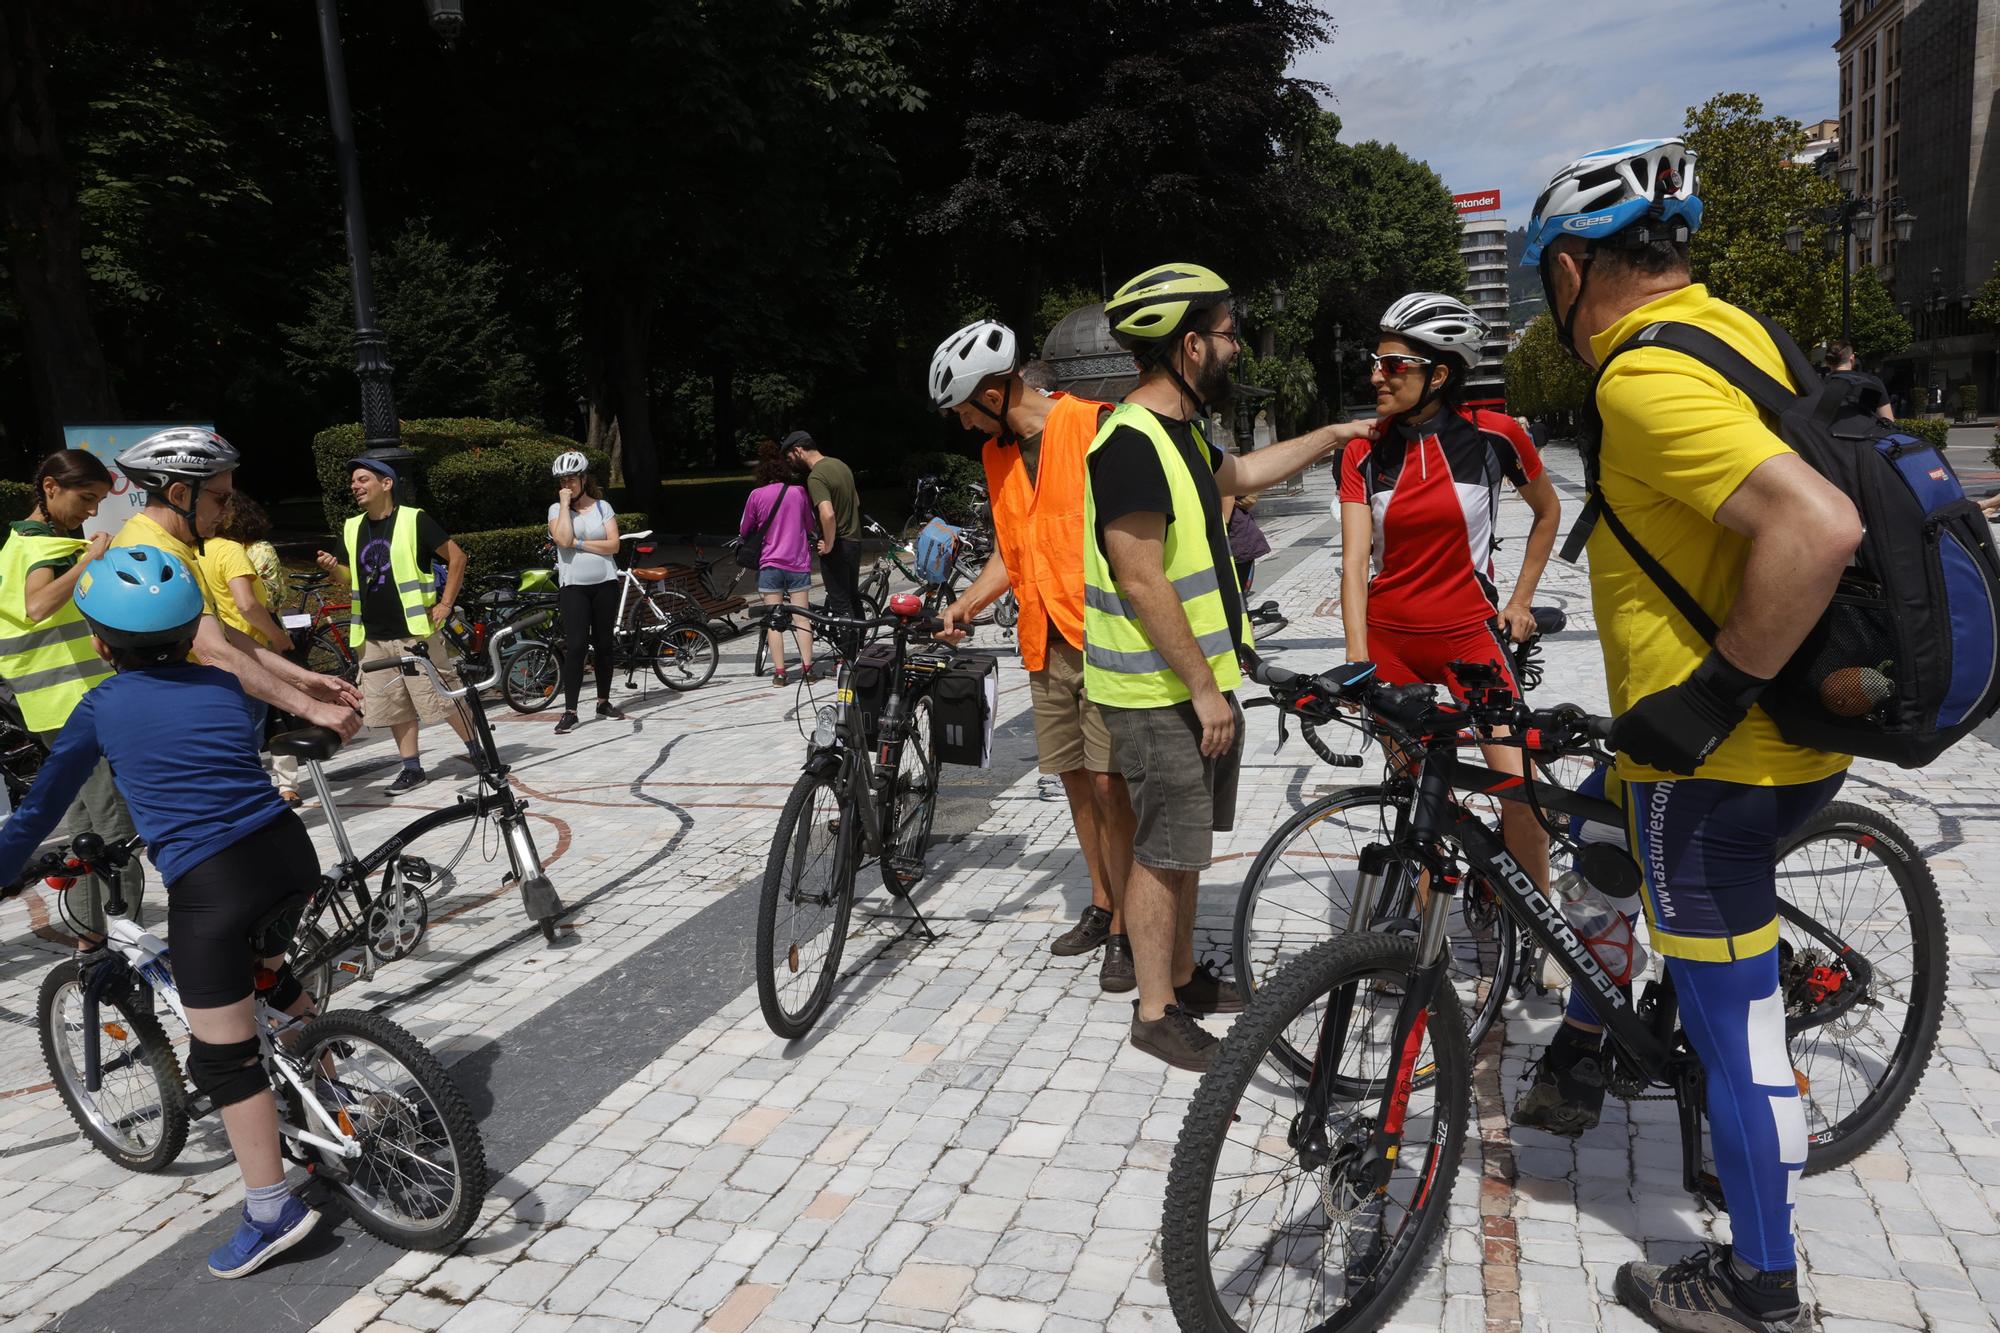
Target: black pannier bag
[(869, 679), (963, 700)]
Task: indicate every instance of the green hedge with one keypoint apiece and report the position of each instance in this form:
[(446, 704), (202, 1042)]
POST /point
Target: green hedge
[(502, 550), (958, 473), (1932, 430), (432, 441), (498, 487), (16, 499)]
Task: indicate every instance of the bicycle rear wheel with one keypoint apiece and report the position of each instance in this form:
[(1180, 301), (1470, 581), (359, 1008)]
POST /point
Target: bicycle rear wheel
[(531, 678), (1300, 892), (138, 1117), (683, 656), (327, 654), (421, 1176), (912, 804), (803, 906), (1858, 876), (1257, 1237)]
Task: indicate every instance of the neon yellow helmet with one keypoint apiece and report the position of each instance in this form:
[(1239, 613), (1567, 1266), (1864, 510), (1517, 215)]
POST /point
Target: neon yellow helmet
[(1155, 305)]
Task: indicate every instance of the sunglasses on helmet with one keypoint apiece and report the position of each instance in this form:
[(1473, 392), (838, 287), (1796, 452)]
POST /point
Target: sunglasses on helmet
[(1396, 363)]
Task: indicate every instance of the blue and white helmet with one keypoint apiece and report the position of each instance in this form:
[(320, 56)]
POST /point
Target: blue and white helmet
[(1603, 193)]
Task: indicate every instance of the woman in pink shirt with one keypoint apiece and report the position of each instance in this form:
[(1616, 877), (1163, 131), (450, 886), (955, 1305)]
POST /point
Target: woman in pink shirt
[(780, 512)]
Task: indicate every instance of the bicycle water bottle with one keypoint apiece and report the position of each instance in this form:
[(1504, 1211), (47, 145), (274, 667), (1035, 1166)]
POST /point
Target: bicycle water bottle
[(1601, 926)]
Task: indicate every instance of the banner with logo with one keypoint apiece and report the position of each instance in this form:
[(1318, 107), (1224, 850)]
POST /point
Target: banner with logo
[(107, 439), (1478, 201)]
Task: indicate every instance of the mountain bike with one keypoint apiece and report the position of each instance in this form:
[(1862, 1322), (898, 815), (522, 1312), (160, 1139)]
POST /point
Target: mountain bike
[(362, 1104), (345, 931), (1316, 1163), (868, 790), (654, 628)]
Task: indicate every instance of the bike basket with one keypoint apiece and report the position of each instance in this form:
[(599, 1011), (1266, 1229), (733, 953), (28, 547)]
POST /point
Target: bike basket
[(963, 700), (936, 546), (869, 679)]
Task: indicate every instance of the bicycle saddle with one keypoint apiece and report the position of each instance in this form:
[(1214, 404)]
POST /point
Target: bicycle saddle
[(314, 743), (1549, 619), (651, 574)]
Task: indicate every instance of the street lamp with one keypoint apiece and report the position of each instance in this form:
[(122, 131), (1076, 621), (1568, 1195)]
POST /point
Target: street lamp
[(1846, 172), (381, 436), (1853, 217)]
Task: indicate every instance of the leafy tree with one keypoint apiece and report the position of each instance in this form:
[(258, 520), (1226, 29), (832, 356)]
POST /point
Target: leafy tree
[(1879, 329), (1543, 380), (453, 345), (1986, 301)]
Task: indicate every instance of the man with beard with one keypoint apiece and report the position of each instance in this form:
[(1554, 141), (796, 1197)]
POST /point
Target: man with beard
[(1163, 623)]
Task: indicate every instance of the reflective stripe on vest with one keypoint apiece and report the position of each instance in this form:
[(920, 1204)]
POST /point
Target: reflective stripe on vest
[(1121, 667), (51, 664), (1038, 525), (413, 585)]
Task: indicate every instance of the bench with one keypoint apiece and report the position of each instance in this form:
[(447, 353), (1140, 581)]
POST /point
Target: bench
[(686, 580)]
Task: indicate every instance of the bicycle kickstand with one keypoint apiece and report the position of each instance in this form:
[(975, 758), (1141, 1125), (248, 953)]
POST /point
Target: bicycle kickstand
[(930, 936)]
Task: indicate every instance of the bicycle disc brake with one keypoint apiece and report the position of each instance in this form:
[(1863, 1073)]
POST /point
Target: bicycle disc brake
[(396, 921)]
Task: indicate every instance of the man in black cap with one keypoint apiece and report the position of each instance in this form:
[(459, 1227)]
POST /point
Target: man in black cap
[(830, 485)]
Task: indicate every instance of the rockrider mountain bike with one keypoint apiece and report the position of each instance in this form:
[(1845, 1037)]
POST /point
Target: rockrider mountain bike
[(869, 789), (362, 1104), (345, 930), (1317, 1159)]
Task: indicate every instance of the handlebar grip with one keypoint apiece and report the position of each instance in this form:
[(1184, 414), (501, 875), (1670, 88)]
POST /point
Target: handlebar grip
[(1346, 761), (384, 664), (1598, 728)]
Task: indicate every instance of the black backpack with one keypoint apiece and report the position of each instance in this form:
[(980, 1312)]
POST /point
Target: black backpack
[(1903, 662)]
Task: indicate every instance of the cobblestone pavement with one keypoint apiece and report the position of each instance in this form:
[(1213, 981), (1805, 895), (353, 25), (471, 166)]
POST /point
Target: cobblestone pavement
[(965, 1141)]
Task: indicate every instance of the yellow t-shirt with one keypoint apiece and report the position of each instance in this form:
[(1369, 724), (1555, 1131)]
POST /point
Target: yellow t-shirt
[(222, 560), (1678, 440), (142, 531)]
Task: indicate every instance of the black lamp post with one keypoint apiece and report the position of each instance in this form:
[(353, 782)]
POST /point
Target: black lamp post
[(381, 436), (1852, 219)]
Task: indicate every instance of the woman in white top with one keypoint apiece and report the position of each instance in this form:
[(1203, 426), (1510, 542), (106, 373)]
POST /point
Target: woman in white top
[(585, 532)]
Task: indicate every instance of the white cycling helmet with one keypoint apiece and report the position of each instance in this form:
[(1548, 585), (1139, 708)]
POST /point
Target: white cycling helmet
[(570, 464), (1601, 194), (1442, 323), (179, 453), (961, 361)]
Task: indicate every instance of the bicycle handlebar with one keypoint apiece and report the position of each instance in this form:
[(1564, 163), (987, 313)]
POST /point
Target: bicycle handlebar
[(63, 866), (493, 645), (780, 620)]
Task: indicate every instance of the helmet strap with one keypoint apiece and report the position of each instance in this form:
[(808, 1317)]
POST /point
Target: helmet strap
[(1003, 432), (187, 514), (1565, 321), (1200, 407)]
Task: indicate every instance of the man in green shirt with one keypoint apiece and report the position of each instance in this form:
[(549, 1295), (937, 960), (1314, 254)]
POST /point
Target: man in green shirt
[(830, 485)]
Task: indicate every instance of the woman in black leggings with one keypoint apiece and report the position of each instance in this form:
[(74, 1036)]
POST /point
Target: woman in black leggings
[(585, 532)]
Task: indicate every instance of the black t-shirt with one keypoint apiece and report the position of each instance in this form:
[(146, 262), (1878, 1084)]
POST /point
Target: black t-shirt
[(1865, 393), (381, 605), (1126, 478)]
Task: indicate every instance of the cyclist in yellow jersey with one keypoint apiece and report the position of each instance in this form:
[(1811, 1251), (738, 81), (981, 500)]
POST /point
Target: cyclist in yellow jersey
[(1691, 468)]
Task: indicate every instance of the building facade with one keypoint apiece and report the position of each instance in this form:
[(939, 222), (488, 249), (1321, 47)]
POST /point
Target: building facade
[(1482, 241), (1871, 112)]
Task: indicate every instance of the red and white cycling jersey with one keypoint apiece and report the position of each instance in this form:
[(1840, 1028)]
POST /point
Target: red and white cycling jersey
[(1434, 490)]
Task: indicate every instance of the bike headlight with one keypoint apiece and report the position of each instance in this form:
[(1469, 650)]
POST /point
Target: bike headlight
[(827, 727)]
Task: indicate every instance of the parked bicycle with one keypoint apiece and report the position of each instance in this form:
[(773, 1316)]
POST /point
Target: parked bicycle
[(362, 1104), (346, 931), (868, 792), (321, 641), (656, 629), (1317, 1160)]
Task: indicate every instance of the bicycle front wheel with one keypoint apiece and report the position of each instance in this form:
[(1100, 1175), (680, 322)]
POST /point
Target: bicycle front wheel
[(1856, 876), (1300, 892), (684, 656), (531, 678), (420, 1177), (1259, 1234), (803, 906), (138, 1117), (912, 804)]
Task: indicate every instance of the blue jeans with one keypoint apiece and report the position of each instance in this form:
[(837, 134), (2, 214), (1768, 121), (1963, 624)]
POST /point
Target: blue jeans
[(770, 579)]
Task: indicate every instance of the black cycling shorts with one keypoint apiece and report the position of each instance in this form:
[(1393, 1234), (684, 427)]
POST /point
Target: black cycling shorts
[(214, 909)]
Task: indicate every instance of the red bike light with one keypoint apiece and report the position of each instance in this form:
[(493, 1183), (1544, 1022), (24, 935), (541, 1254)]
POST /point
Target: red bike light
[(907, 605)]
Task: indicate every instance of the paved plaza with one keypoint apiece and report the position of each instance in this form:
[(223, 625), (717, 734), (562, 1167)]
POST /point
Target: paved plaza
[(965, 1141)]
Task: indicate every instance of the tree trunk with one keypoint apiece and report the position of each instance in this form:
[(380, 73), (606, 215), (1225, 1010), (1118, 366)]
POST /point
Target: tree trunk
[(618, 312), (723, 384), (44, 240)]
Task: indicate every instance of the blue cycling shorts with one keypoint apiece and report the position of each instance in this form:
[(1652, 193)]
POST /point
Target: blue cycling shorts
[(1708, 854)]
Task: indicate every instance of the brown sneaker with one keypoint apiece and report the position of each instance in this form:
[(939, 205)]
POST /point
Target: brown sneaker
[(1089, 932), (1175, 1038), (1207, 993), (1116, 976)]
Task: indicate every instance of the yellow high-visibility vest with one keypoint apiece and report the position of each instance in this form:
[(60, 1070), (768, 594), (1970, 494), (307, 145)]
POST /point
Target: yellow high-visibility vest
[(50, 663), (413, 577), (1121, 667)]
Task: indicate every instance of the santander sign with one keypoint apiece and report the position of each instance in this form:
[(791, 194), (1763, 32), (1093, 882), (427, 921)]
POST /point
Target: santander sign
[(1479, 201)]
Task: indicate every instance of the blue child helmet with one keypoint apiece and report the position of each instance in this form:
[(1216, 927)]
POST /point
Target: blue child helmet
[(136, 596)]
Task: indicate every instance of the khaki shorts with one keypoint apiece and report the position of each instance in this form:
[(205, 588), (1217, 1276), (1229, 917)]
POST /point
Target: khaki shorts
[(390, 697), (1069, 730), (1182, 798)]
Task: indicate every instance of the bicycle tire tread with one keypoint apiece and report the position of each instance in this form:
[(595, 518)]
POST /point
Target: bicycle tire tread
[(165, 1065)]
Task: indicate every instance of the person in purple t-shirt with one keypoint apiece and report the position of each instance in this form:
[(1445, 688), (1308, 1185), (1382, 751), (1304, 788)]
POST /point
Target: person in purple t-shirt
[(780, 511)]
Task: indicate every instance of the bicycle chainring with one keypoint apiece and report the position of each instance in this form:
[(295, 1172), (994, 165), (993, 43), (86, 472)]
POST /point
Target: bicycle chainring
[(396, 921)]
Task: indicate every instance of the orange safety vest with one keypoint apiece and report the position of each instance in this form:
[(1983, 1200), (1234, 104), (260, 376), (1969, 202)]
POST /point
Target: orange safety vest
[(1038, 525)]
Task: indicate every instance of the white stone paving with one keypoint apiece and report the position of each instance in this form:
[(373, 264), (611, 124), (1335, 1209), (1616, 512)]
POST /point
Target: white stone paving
[(966, 1141)]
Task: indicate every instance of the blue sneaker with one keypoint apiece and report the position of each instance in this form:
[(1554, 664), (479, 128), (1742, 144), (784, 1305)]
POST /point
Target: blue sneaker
[(255, 1243)]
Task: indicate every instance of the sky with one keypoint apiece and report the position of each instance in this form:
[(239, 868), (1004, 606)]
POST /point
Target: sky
[(1506, 92)]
